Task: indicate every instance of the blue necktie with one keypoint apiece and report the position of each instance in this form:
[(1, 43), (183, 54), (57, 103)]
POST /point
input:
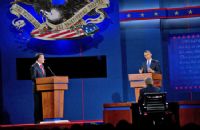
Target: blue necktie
[(148, 64)]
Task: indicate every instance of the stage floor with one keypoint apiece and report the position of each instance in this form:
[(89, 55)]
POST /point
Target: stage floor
[(61, 125)]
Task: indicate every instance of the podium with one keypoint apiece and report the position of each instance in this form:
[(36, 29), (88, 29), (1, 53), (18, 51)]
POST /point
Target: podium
[(52, 91), (137, 81)]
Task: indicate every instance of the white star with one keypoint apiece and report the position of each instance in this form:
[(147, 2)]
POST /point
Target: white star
[(190, 12), (156, 14), (142, 14), (128, 15), (176, 13)]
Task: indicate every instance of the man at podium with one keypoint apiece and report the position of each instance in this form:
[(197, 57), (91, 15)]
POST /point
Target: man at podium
[(37, 71), (150, 65)]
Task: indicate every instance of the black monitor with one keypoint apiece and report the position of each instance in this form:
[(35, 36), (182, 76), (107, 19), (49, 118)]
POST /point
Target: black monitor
[(74, 67)]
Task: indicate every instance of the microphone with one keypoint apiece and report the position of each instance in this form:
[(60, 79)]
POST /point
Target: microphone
[(51, 71)]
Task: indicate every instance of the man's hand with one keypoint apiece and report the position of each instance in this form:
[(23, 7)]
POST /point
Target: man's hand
[(150, 70), (140, 70)]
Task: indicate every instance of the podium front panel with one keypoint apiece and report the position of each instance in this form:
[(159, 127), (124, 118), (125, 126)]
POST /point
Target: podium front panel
[(52, 90)]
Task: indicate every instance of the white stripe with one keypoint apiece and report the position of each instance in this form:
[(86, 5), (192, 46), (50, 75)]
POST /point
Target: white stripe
[(81, 34), (64, 35), (44, 38), (38, 34), (69, 33), (48, 37), (34, 31)]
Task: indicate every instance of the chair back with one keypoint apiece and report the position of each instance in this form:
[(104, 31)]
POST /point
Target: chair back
[(154, 103)]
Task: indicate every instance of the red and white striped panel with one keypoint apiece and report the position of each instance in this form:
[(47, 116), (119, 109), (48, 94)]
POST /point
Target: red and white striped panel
[(63, 34)]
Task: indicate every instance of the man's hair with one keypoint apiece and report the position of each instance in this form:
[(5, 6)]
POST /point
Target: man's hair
[(149, 81), (37, 55), (147, 51)]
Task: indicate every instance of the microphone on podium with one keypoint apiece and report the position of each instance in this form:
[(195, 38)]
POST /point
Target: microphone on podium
[(51, 71)]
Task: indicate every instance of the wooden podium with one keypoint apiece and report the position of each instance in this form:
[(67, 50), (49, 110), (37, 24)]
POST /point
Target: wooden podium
[(137, 81), (52, 90)]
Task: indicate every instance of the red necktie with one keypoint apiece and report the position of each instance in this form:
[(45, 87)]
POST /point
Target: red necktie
[(41, 66)]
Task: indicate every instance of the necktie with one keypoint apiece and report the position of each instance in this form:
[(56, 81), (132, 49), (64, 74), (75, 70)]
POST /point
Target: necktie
[(148, 64), (41, 66)]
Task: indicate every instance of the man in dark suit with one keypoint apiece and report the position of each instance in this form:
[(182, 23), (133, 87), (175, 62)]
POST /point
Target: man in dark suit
[(150, 65), (148, 89), (37, 71)]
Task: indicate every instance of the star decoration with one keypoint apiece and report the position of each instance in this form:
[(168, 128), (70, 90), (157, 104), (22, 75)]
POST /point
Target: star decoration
[(128, 15), (156, 14), (142, 14), (176, 13), (190, 12)]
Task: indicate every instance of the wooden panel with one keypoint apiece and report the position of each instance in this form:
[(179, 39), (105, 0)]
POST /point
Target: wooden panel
[(52, 104), (157, 83), (189, 112), (143, 76), (138, 84), (48, 87), (52, 79), (139, 76), (157, 76), (47, 104), (114, 116), (124, 104), (141, 84), (137, 94), (184, 112), (121, 111), (189, 102), (58, 103)]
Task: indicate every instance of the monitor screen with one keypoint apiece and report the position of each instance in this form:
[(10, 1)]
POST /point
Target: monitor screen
[(74, 67)]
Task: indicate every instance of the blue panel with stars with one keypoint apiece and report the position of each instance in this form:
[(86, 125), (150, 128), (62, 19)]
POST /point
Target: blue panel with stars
[(90, 28), (142, 14), (184, 12), (160, 13)]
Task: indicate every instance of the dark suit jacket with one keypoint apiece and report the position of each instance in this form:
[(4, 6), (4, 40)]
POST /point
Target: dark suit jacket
[(155, 65), (36, 72), (148, 89)]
